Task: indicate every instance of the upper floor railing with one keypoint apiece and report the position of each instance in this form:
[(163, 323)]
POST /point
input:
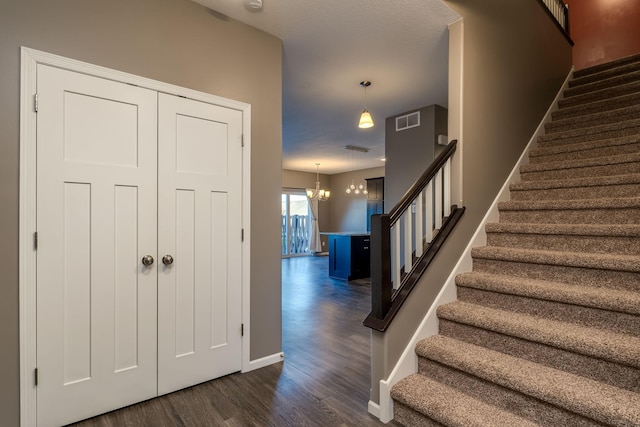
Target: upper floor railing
[(559, 12), (404, 242)]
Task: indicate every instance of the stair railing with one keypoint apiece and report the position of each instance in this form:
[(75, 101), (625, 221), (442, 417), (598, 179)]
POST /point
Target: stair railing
[(405, 241), (559, 12)]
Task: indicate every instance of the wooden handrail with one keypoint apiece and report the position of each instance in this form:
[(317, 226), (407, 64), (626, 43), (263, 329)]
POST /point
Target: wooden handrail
[(385, 301)]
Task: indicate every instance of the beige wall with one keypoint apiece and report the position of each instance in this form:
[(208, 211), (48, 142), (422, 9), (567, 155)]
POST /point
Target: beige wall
[(349, 211), (174, 41), (515, 60)]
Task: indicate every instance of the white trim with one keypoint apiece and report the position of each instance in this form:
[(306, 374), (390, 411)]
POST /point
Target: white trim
[(265, 361), (408, 362), (30, 58), (374, 409), (27, 254), (456, 111)]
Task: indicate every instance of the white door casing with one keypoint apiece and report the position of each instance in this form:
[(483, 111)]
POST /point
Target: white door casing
[(124, 192), (96, 198), (199, 184)]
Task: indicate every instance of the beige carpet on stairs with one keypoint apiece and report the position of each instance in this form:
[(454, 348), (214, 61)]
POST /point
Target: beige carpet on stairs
[(546, 328)]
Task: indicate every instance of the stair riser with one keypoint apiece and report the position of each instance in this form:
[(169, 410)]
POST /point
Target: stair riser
[(519, 404), (585, 122), (584, 276), (600, 95), (408, 417), (624, 101), (590, 153), (578, 314), (600, 84), (589, 134), (569, 216), (575, 193), (582, 172), (599, 370), (557, 242)]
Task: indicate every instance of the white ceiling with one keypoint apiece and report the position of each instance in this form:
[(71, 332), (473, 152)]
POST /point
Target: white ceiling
[(329, 47)]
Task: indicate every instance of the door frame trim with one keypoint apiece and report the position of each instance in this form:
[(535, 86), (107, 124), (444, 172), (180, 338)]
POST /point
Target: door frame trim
[(30, 58)]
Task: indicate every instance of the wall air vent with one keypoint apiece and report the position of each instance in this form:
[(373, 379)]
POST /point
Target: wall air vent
[(408, 121)]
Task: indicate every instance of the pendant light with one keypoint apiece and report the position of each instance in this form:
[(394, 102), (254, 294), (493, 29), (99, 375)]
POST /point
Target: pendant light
[(354, 188), (366, 121), (318, 194)]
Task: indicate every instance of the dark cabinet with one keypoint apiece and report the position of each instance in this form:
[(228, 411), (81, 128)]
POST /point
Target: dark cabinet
[(375, 198), (349, 256)]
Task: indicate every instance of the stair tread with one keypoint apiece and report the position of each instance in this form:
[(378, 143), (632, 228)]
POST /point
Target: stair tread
[(598, 69), (618, 113), (607, 230), (593, 399), (603, 261), (597, 106), (632, 178), (631, 66), (581, 163), (583, 146), (570, 204), (590, 130), (588, 341), (628, 75), (449, 406), (600, 94), (603, 298)]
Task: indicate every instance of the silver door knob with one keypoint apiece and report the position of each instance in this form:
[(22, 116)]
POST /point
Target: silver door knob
[(167, 260), (147, 260)]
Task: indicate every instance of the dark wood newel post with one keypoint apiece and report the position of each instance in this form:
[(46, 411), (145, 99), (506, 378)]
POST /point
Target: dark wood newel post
[(381, 288)]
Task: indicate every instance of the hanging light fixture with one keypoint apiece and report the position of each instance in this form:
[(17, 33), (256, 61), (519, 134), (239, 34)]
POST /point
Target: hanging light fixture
[(318, 194), (353, 187), (366, 121)]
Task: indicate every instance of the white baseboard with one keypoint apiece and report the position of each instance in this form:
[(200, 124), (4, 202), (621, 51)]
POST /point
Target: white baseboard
[(374, 409), (265, 361), (408, 362)]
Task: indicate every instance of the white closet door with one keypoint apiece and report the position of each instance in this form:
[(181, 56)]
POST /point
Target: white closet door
[(96, 218), (199, 226)]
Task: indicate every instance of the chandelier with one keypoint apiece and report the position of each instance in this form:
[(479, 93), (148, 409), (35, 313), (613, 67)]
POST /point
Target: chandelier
[(318, 194)]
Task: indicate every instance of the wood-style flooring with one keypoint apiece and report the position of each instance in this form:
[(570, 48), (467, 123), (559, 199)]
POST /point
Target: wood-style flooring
[(324, 380)]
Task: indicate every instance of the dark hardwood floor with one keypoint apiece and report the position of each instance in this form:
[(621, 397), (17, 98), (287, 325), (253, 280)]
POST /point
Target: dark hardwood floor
[(324, 380)]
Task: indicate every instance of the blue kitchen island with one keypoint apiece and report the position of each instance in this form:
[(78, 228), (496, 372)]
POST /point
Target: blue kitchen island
[(349, 255)]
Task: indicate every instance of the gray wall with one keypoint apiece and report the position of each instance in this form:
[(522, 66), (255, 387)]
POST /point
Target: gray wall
[(515, 61), (174, 41), (349, 211), (409, 152)]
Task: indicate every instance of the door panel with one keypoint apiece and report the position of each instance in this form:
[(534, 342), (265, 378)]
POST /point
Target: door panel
[(113, 186), (199, 202), (96, 217)]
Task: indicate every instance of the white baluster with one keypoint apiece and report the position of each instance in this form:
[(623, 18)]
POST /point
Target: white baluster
[(428, 196), (406, 241), (395, 251), (438, 212), (447, 188), (419, 234)]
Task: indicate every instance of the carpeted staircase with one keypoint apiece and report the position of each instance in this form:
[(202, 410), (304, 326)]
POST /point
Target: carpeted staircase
[(546, 329)]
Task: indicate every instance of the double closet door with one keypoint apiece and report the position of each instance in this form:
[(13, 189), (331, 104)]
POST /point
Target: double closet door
[(139, 246)]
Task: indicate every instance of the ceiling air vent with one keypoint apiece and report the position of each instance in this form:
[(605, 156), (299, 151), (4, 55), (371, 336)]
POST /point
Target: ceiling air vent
[(408, 121)]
